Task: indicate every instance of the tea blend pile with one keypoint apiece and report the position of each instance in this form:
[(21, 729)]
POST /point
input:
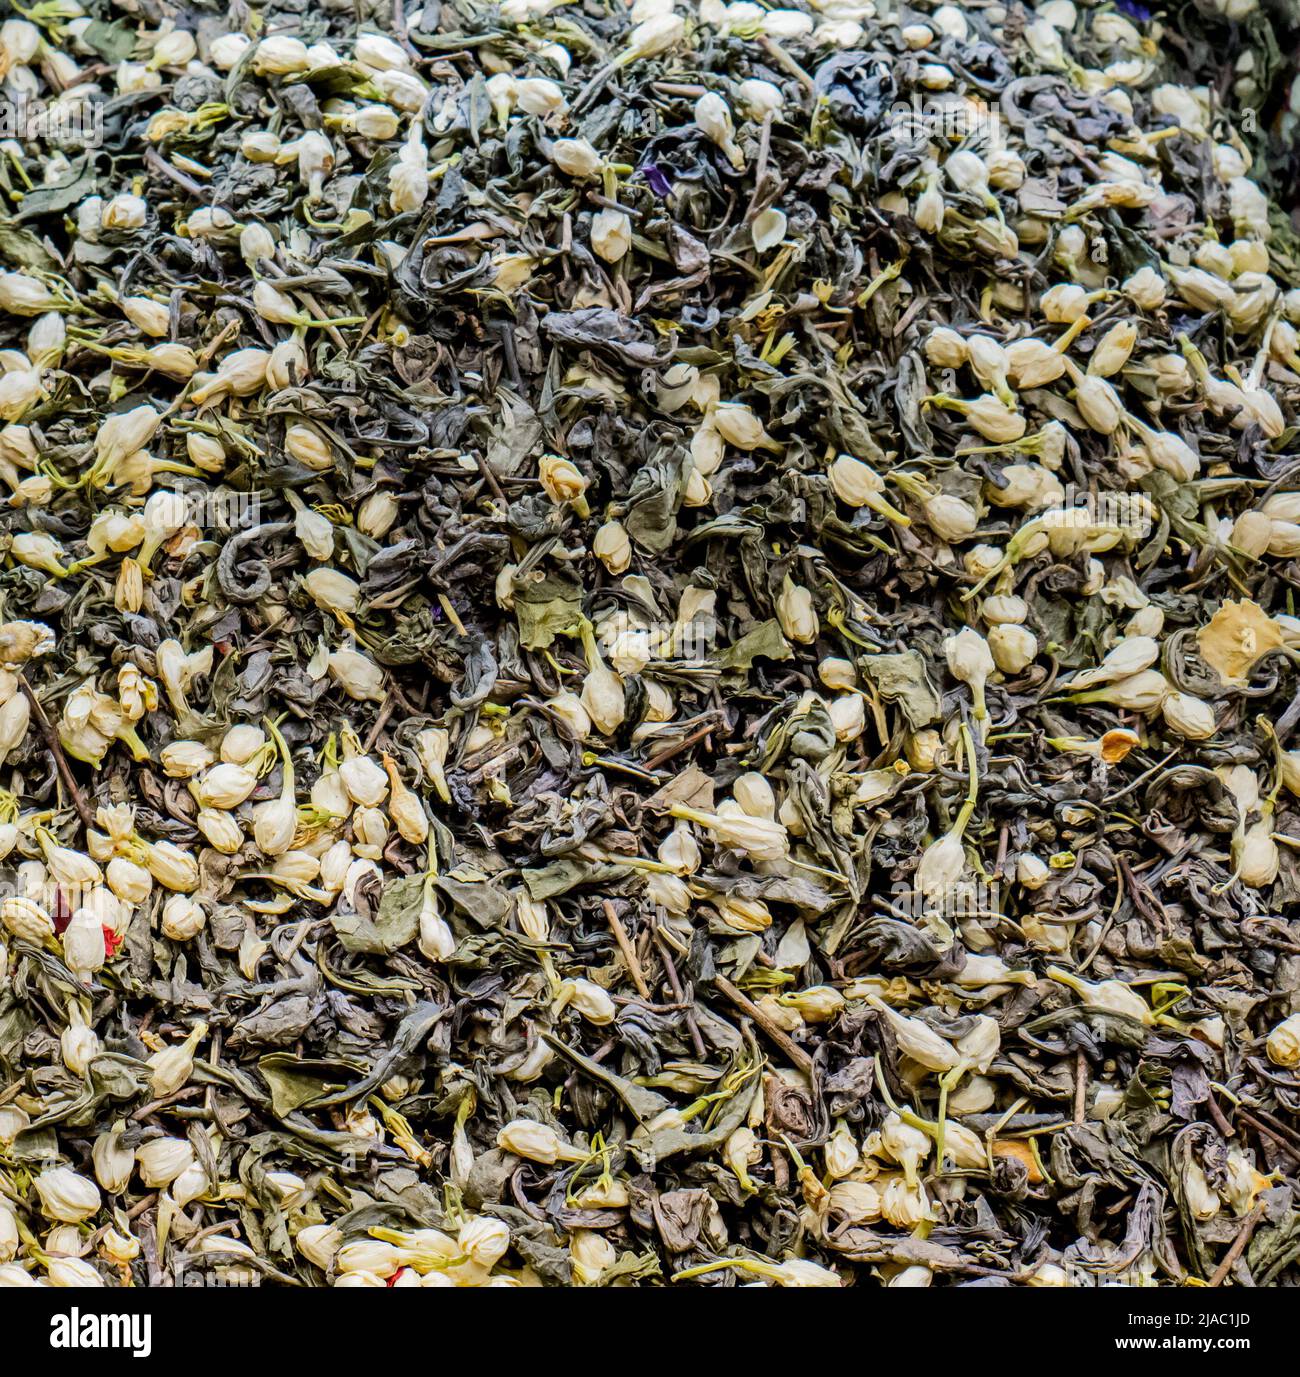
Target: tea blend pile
[(647, 646)]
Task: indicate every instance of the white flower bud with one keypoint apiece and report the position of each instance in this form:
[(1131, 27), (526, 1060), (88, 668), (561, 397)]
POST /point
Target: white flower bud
[(531, 1140), (539, 96), (797, 613), (484, 1240), (971, 662), (945, 348), (1013, 647), (225, 51), (590, 1000), (84, 948), (162, 1160), (171, 1068), (1098, 403), (657, 34), (130, 882), (66, 1196), (357, 676), (856, 484), (759, 99), (611, 235), (761, 838), (1142, 692), (21, 295), (280, 55), (1025, 485), (1283, 1043), (576, 157), (1188, 716), (380, 53), (1256, 856), (405, 809), (848, 717), (124, 213), (79, 1046), (950, 518), (184, 759), (739, 426), (562, 480), (603, 699), (182, 918), (1113, 996), (26, 919), (402, 90), (612, 547), (713, 118), (318, 1243)]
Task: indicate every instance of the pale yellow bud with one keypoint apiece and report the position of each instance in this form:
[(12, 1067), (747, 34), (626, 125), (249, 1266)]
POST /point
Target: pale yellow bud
[(949, 517), (358, 676), (1188, 716), (182, 918), (1013, 647), (534, 1141), (613, 547), (405, 808), (333, 591), (797, 613), (1032, 363), (1098, 404), (576, 157), (184, 759), (171, 1068), (589, 1000), (162, 1160), (740, 427), (173, 868), (854, 482), (603, 699), (611, 235), (66, 1196), (945, 348), (562, 481), (1283, 1043)]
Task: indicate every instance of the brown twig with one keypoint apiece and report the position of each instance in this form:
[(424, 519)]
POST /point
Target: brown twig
[(780, 1165), (760, 169), (675, 984), (625, 946), (174, 174), (1271, 1133), (188, 1093), (1288, 1134), (489, 477), (1224, 1127), (1080, 1086), (1238, 1246), (685, 743), (779, 55), (56, 749), (141, 1206), (783, 1040), (385, 712)]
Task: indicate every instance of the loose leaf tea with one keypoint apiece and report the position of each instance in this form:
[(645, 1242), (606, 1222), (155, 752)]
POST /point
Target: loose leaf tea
[(647, 646)]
